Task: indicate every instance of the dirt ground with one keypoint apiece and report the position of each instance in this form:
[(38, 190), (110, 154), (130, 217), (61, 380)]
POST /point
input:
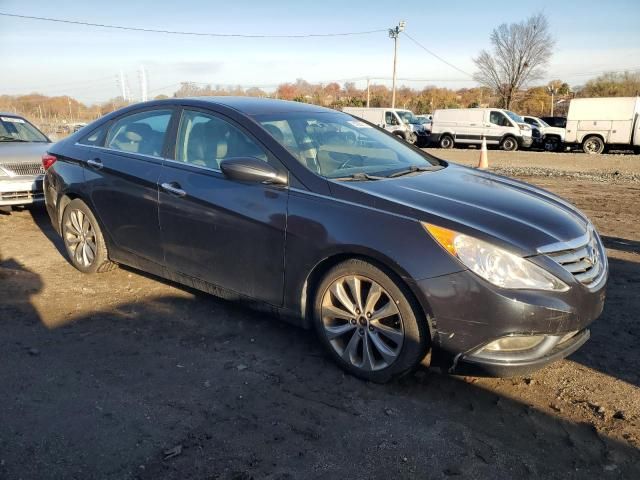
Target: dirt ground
[(122, 375)]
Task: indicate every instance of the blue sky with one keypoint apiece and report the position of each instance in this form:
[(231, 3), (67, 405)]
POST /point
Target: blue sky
[(59, 59)]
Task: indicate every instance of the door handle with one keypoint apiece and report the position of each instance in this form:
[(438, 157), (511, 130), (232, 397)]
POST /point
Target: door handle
[(173, 188), (95, 163)]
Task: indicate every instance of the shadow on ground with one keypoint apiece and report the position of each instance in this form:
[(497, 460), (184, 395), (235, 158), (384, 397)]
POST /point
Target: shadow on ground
[(175, 387)]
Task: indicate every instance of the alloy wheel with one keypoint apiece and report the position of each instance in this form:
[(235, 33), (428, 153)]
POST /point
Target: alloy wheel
[(80, 238), (362, 322)]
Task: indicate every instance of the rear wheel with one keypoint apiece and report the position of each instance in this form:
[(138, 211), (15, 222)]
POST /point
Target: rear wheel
[(593, 145), (446, 141), (368, 322), (83, 239), (509, 144)]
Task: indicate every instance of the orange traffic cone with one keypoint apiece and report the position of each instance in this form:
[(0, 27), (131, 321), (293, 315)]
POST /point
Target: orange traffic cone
[(483, 164)]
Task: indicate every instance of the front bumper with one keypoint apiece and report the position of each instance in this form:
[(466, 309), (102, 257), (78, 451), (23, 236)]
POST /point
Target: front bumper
[(525, 142), (469, 313), (16, 191)]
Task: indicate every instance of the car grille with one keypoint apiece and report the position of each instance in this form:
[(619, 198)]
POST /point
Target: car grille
[(586, 261), (23, 169), (26, 195)]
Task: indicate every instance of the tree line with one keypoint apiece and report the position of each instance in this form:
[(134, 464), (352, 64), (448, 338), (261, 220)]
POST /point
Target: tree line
[(45, 110)]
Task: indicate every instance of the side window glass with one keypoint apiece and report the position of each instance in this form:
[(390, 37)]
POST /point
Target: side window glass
[(94, 138), (389, 119), (498, 118), (140, 133), (205, 140), (530, 121)]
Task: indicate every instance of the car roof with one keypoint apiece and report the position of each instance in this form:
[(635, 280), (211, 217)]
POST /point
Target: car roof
[(10, 114), (258, 106)]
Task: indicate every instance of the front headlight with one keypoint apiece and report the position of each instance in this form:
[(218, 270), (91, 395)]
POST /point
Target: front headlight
[(502, 268), (524, 126)]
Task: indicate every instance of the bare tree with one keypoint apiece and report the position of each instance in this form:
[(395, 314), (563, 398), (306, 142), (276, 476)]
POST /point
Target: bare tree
[(521, 51)]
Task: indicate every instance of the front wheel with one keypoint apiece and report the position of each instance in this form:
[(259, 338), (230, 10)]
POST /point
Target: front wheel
[(509, 144), (551, 144), (368, 322), (83, 239), (446, 141), (593, 145)]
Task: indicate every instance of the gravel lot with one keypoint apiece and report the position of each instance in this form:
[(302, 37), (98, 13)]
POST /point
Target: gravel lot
[(123, 375)]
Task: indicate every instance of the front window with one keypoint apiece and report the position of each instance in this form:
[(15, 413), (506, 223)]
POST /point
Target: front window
[(335, 145), (497, 118), (16, 129), (543, 123), (390, 118), (205, 140)]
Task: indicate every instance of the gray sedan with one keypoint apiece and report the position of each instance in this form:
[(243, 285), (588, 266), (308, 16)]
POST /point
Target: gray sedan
[(21, 148)]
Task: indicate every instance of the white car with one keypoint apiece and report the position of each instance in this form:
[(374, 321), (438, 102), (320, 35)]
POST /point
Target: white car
[(551, 138)]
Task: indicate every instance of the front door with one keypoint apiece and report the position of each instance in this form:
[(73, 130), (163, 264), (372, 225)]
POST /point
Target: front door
[(497, 127), (227, 233), (122, 175)]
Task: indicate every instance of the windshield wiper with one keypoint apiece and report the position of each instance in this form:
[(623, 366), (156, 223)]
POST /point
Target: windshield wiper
[(7, 138), (414, 169), (359, 177)]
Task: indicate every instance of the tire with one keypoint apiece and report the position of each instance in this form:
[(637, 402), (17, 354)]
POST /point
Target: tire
[(593, 145), (397, 340), (446, 141), (551, 144), (509, 144), (412, 139), (83, 239), (401, 136)]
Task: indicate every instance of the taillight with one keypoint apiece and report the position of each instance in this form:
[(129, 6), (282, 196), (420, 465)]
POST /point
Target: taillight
[(48, 160)]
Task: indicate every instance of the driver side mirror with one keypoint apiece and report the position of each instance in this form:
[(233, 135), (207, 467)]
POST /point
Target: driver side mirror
[(251, 169)]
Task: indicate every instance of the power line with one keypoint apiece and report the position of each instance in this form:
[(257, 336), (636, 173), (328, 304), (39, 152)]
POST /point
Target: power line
[(434, 54), (199, 34)]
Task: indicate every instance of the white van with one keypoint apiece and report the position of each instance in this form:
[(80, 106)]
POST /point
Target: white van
[(595, 123), (468, 126), (400, 122)]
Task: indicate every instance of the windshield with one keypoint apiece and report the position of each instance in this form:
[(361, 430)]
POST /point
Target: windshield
[(543, 123), (336, 145), (514, 116), (408, 117), (16, 129)]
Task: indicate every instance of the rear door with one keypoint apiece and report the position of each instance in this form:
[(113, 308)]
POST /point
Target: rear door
[(122, 176), (227, 233)]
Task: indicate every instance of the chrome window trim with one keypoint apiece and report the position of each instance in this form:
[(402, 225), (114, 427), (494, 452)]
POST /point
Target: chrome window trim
[(119, 152), (208, 169)]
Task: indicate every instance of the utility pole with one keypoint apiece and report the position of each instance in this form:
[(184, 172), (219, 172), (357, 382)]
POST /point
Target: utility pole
[(368, 95), (123, 87), (143, 84), (552, 91), (393, 34)]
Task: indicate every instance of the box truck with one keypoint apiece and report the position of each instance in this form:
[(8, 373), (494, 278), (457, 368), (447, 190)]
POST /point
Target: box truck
[(598, 123)]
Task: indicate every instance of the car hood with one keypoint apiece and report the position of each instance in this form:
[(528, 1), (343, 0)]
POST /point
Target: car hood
[(556, 130), (513, 214), (19, 152)]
